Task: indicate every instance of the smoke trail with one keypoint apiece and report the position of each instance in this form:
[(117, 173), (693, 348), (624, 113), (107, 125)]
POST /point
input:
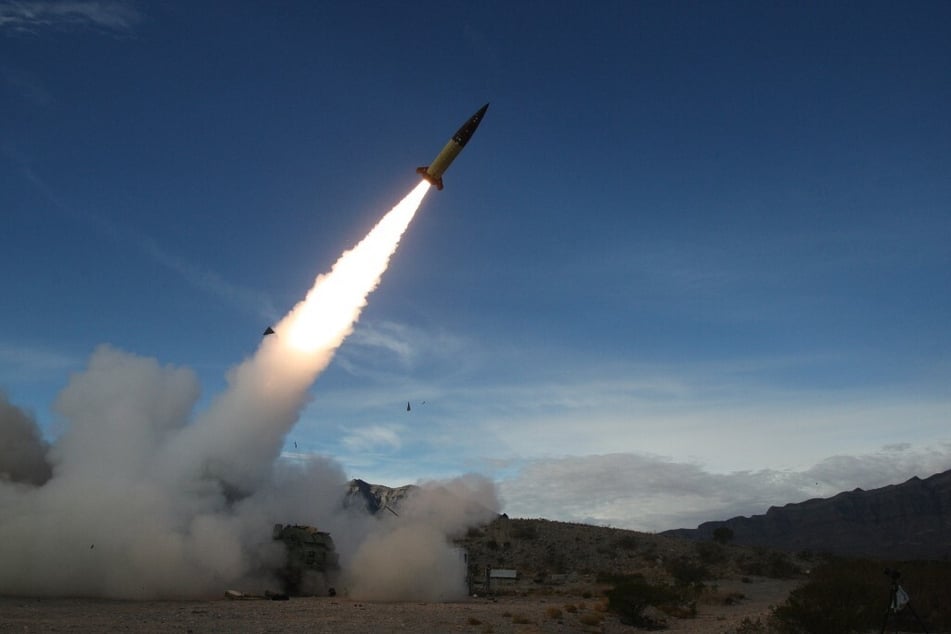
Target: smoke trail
[(242, 433), (132, 501)]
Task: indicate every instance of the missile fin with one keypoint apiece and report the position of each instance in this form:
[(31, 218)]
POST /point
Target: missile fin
[(435, 180)]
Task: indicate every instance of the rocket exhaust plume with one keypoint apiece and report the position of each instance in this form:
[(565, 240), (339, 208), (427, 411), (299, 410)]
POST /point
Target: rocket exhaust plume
[(242, 433), (135, 500)]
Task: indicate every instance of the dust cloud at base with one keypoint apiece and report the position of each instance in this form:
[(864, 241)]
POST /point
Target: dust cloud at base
[(138, 497)]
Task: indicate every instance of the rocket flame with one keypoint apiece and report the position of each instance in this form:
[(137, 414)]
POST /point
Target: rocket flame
[(238, 438), (333, 305)]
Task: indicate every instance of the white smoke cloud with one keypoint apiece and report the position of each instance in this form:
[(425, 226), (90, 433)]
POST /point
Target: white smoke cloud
[(22, 448), (111, 521), (411, 556), (145, 499)]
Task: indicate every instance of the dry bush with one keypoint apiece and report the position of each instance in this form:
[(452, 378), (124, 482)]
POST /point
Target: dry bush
[(711, 553), (767, 563), (571, 608), (715, 597), (521, 619), (553, 613), (474, 621), (687, 572), (748, 626), (844, 595), (627, 542), (634, 599)]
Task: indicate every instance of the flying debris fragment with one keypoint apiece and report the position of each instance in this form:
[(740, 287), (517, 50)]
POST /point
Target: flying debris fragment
[(434, 171), (269, 331), (408, 408)]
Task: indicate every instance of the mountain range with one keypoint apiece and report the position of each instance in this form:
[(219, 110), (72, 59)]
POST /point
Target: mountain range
[(911, 520)]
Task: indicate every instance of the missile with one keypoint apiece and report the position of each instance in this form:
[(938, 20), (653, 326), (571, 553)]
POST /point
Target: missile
[(434, 171)]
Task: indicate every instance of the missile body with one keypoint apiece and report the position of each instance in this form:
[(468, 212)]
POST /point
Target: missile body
[(434, 171)]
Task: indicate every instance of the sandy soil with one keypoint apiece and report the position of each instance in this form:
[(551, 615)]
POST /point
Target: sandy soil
[(522, 614)]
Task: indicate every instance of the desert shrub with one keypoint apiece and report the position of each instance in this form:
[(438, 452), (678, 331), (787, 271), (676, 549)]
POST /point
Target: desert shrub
[(716, 597), (687, 572), (834, 601), (474, 621), (524, 530), (627, 542), (632, 594), (571, 608), (711, 553), (748, 626), (772, 564), (850, 595), (780, 566), (521, 619), (553, 613)]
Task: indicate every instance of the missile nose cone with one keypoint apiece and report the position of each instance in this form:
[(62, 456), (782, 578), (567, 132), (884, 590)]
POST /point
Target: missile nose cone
[(468, 128), (477, 117), (434, 171)]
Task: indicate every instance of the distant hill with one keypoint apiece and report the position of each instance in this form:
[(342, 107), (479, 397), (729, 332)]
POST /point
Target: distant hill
[(911, 520), (551, 552), (375, 497)]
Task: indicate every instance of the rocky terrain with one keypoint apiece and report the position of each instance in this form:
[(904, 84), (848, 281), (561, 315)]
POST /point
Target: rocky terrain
[(501, 615), (562, 573), (911, 520), (561, 577)]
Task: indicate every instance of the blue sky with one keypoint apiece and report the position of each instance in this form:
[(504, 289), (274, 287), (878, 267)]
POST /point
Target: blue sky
[(694, 262)]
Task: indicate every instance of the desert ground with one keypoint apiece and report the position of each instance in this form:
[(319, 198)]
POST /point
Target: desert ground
[(522, 613)]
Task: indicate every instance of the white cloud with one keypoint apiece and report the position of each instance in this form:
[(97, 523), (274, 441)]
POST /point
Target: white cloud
[(380, 350), (113, 15), (249, 300), (26, 362), (653, 493), (576, 437), (372, 438)]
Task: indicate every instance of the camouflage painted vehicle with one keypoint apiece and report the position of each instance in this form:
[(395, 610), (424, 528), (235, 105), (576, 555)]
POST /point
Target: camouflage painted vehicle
[(311, 566)]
